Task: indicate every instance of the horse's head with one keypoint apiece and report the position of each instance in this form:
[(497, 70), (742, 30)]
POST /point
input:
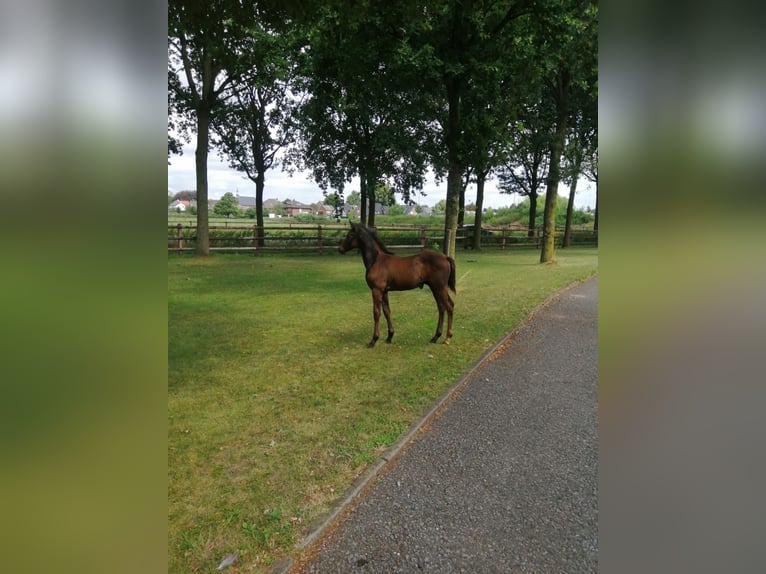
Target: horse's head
[(351, 241)]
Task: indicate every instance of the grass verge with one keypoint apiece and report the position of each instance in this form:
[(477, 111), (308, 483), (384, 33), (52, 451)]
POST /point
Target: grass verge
[(275, 404)]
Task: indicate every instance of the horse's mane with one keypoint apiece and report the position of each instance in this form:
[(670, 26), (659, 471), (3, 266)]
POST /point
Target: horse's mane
[(366, 235)]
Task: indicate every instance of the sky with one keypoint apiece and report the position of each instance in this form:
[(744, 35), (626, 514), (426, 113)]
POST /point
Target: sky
[(301, 186)]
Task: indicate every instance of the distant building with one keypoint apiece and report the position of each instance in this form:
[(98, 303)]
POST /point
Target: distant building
[(271, 203), (343, 211), (182, 204), (416, 210), (293, 208), (245, 203)]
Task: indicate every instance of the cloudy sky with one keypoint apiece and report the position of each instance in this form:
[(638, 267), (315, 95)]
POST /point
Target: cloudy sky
[(301, 186)]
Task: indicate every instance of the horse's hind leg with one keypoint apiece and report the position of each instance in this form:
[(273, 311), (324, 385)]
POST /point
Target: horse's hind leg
[(441, 309), (387, 313), (445, 304), (439, 326), (450, 306)]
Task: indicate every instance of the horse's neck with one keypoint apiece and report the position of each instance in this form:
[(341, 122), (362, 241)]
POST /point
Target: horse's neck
[(370, 253)]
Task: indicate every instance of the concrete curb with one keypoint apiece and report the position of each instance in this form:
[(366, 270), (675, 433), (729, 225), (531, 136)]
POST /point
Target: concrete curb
[(349, 498)]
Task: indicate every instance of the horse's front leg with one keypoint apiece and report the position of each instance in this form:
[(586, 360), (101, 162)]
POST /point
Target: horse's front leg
[(387, 313), (377, 302)]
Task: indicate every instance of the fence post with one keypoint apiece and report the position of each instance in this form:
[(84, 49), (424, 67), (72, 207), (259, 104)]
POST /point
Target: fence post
[(180, 237), (505, 228), (255, 240), (319, 237), (422, 237)]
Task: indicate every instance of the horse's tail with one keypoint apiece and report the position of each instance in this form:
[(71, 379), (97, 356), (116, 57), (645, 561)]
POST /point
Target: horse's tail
[(451, 281)]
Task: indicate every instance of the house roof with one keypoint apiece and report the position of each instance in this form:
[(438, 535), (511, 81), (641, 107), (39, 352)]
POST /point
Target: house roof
[(246, 201)]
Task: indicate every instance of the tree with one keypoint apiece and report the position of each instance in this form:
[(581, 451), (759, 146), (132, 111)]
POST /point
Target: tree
[(336, 201), (590, 171), (188, 195), (568, 43), (176, 135), (362, 115), (490, 111), (227, 206), (464, 36), (206, 46), (384, 194), (279, 209), (255, 123), (210, 47), (581, 143), (526, 157), (354, 198)]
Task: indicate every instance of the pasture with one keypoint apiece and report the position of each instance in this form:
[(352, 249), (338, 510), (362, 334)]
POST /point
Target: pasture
[(275, 403)]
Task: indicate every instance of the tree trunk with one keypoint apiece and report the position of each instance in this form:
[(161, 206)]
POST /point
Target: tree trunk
[(595, 217), (480, 179), (200, 159), (532, 215), (362, 195), (455, 169), (570, 204), (461, 204), (371, 200), (259, 185), (547, 254)]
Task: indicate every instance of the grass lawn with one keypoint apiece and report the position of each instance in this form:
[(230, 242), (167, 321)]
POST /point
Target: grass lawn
[(275, 404)]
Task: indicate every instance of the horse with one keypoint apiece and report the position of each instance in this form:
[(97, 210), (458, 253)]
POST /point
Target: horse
[(389, 272)]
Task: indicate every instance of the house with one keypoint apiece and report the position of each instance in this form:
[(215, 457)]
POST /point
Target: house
[(245, 203), (182, 204), (293, 208), (271, 203), (416, 210), (342, 210)]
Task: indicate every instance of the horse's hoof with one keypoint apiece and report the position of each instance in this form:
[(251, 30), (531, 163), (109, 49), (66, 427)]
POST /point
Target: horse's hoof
[(371, 344), (446, 341)]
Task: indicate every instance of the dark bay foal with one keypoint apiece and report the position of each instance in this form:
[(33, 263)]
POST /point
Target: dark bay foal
[(389, 272)]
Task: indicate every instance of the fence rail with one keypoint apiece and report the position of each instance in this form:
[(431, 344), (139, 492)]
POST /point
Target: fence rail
[(313, 237)]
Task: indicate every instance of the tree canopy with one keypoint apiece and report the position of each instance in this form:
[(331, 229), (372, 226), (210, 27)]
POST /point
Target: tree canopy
[(227, 206), (385, 92)]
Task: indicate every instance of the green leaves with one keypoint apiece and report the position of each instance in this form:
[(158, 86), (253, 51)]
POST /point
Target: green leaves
[(227, 205)]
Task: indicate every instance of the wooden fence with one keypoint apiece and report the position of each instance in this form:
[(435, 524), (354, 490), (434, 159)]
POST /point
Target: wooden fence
[(318, 238)]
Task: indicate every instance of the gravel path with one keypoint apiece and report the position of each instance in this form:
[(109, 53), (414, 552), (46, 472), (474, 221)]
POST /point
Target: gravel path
[(505, 478)]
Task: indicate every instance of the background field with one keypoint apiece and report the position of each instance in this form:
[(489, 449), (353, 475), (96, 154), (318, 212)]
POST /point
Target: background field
[(275, 404)]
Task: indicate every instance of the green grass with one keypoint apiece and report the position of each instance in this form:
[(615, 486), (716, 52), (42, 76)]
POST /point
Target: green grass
[(275, 404)]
